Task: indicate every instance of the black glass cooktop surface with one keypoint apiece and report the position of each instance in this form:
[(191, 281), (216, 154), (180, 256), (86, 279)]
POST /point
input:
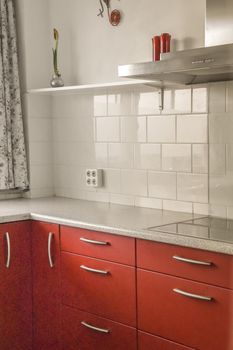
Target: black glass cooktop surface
[(215, 229)]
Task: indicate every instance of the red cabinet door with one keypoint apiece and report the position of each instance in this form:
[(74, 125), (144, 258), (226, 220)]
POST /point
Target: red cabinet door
[(84, 331), (191, 313), (100, 287), (15, 287), (98, 245), (150, 342), (46, 286)]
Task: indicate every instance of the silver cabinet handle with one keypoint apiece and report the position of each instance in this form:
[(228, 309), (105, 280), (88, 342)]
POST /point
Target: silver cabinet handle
[(191, 295), (191, 261), (101, 330), (86, 240), (8, 243), (50, 238), (102, 272)]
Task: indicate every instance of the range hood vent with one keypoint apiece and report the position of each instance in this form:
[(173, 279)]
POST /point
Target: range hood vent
[(202, 65)]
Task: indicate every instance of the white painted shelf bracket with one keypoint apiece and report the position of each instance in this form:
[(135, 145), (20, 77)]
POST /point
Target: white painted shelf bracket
[(161, 99)]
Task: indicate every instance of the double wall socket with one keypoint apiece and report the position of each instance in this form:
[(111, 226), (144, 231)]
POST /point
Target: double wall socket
[(94, 177)]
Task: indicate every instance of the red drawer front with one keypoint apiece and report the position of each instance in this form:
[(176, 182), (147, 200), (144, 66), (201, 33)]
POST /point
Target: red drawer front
[(77, 336), (159, 257), (113, 248), (201, 324), (150, 342), (111, 295)]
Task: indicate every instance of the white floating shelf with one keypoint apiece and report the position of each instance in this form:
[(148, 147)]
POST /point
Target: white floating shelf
[(92, 88)]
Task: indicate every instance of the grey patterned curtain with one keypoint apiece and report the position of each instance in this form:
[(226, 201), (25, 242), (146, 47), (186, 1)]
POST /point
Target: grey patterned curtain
[(13, 163)]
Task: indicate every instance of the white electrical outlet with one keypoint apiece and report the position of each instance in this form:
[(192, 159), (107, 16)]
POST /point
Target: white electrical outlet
[(94, 177)]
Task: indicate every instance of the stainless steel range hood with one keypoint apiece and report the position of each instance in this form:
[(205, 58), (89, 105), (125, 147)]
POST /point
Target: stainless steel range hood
[(202, 65)]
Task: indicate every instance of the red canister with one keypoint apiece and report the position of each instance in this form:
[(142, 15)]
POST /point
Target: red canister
[(165, 42), (156, 48)]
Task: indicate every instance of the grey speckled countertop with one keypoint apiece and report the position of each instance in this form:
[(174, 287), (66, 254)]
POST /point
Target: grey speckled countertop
[(151, 224)]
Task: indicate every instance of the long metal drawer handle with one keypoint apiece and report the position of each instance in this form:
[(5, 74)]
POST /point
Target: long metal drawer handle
[(8, 243), (191, 261), (101, 330), (191, 295), (102, 272), (50, 238), (93, 241)]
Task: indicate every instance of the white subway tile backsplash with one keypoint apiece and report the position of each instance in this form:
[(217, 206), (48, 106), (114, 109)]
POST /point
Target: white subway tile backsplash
[(72, 106), (147, 156), (120, 104), (200, 100), (73, 129), (134, 182), (100, 105), (192, 187), (199, 208), (121, 199), (133, 129), (192, 129), (121, 155), (177, 206), (177, 101), (41, 153), (108, 129), (111, 181), (200, 158), (146, 102), (176, 157), (161, 129), (147, 202), (38, 106), (217, 159), (40, 129), (217, 97), (162, 185)]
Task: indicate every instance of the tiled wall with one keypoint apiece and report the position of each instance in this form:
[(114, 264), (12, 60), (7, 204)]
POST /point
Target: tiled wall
[(150, 158)]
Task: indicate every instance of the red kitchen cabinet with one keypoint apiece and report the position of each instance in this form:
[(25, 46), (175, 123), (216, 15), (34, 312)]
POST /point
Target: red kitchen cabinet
[(15, 286), (191, 313), (98, 245), (46, 286), (84, 331), (100, 287), (150, 342)]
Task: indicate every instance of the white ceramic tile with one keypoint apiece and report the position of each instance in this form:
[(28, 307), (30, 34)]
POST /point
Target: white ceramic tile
[(100, 105), (40, 153), (199, 208), (177, 101), (101, 154), (147, 156), (161, 129), (200, 100), (229, 157), (200, 158), (111, 181), (192, 128), (177, 206), (121, 199), (192, 188), (97, 197), (217, 159), (176, 157), (229, 96), (40, 193), (218, 211), (217, 97), (133, 129), (134, 182), (162, 185), (108, 129), (38, 106), (220, 127), (40, 129), (147, 202), (120, 104), (230, 213), (121, 155), (221, 189), (73, 129), (73, 106), (146, 102)]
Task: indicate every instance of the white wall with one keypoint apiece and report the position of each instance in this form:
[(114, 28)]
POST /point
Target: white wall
[(91, 49)]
